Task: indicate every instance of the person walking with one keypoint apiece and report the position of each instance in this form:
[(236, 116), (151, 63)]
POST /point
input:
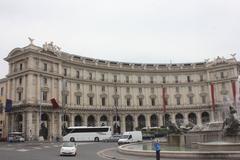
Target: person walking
[(157, 148)]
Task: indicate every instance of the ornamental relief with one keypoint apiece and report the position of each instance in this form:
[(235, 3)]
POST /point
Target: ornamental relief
[(19, 89), (190, 95), (65, 92), (153, 96), (90, 94), (140, 96), (177, 95), (44, 89), (203, 94), (78, 94), (128, 96), (103, 95), (224, 92), (115, 96)]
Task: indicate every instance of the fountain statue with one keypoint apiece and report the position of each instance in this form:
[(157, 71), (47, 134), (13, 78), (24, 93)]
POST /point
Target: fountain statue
[(231, 123)]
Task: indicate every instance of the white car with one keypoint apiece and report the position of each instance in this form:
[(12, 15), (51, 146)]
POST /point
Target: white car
[(68, 148)]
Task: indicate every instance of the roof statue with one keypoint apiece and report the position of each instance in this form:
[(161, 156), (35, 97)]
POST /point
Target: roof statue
[(51, 47), (31, 40)]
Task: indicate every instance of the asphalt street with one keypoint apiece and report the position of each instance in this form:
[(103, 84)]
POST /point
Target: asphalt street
[(50, 151)]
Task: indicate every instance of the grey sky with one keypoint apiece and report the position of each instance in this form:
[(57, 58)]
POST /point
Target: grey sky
[(142, 31)]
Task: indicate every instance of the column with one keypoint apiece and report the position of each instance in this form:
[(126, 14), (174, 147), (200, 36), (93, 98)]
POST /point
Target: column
[(173, 120), (72, 119), (37, 125), (199, 120), (110, 120), (60, 124), (148, 123), (29, 125), (12, 122), (85, 120), (212, 119), (160, 120), (186, 118), (135, 124), (123, 124), (97, 120), (52, 133)]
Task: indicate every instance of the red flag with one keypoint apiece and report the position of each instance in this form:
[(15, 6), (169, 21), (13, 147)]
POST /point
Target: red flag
[(212, 94), (164, 99), (234, 91), (54, 103)]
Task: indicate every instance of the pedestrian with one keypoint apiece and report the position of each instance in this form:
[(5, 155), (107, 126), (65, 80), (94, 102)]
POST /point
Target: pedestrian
[(157, 148)]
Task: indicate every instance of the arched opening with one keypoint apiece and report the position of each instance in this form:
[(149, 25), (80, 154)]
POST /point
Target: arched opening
[(154, 120), (205, 117), (44, 126), (91, 120), (116, 125), (192, 118), (166, 120), (78, 121), (103, 120), (19, 122), (141, 122), (129, 123), (179, 119)]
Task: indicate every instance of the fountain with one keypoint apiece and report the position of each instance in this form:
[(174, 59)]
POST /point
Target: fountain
[(215, 140)]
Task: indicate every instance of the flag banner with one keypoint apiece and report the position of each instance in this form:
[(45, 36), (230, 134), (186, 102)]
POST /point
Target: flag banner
[(54, 103), (8, 105), (212, 94), (164, 99), (234, 91)]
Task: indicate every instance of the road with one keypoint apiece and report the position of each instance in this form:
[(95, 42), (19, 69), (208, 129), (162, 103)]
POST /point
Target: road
[(50, 151)]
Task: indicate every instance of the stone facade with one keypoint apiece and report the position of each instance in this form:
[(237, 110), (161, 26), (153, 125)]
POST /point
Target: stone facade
[(92, 91)]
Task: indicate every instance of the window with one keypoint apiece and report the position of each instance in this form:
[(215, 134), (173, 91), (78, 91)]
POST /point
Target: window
[(45, 66), (77, 74), (140, 102), (115, 89), (20, 80), (223, 86), (140, 90), (191, 100), (222, 74), (153, 101), (45, 80), (188, 79), (115, 78), (2, 89), (65, 99), (152, 90), (103, 101), (176, 79), (65, 71), (91, 101), (164, 79), (189, 88), (115, 102), (202, 88), (139, 80), (204, 99), (178, 100), (103, 88), (90, 76), (128, 101), (78, 100), (102, 77), (78, 86), (177, 89), (19, 96), (21, 66), (127, 79), (44, 96), (151, 79), (90, 88), (127, 89), (201, 78)]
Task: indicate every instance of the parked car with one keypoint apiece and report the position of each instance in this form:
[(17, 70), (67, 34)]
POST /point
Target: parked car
[(129, 137), (113, 138), (68, 148), (16, 137)]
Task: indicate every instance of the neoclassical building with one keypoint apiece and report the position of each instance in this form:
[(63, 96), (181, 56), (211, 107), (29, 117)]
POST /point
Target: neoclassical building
[(126, 96)]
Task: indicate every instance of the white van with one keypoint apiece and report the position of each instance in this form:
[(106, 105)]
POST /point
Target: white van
[(129, 137)]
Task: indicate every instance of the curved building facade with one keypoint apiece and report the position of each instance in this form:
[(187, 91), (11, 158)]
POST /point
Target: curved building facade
[(126, 96)]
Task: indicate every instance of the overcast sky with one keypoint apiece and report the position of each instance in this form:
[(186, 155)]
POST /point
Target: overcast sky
[(141, 31)]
